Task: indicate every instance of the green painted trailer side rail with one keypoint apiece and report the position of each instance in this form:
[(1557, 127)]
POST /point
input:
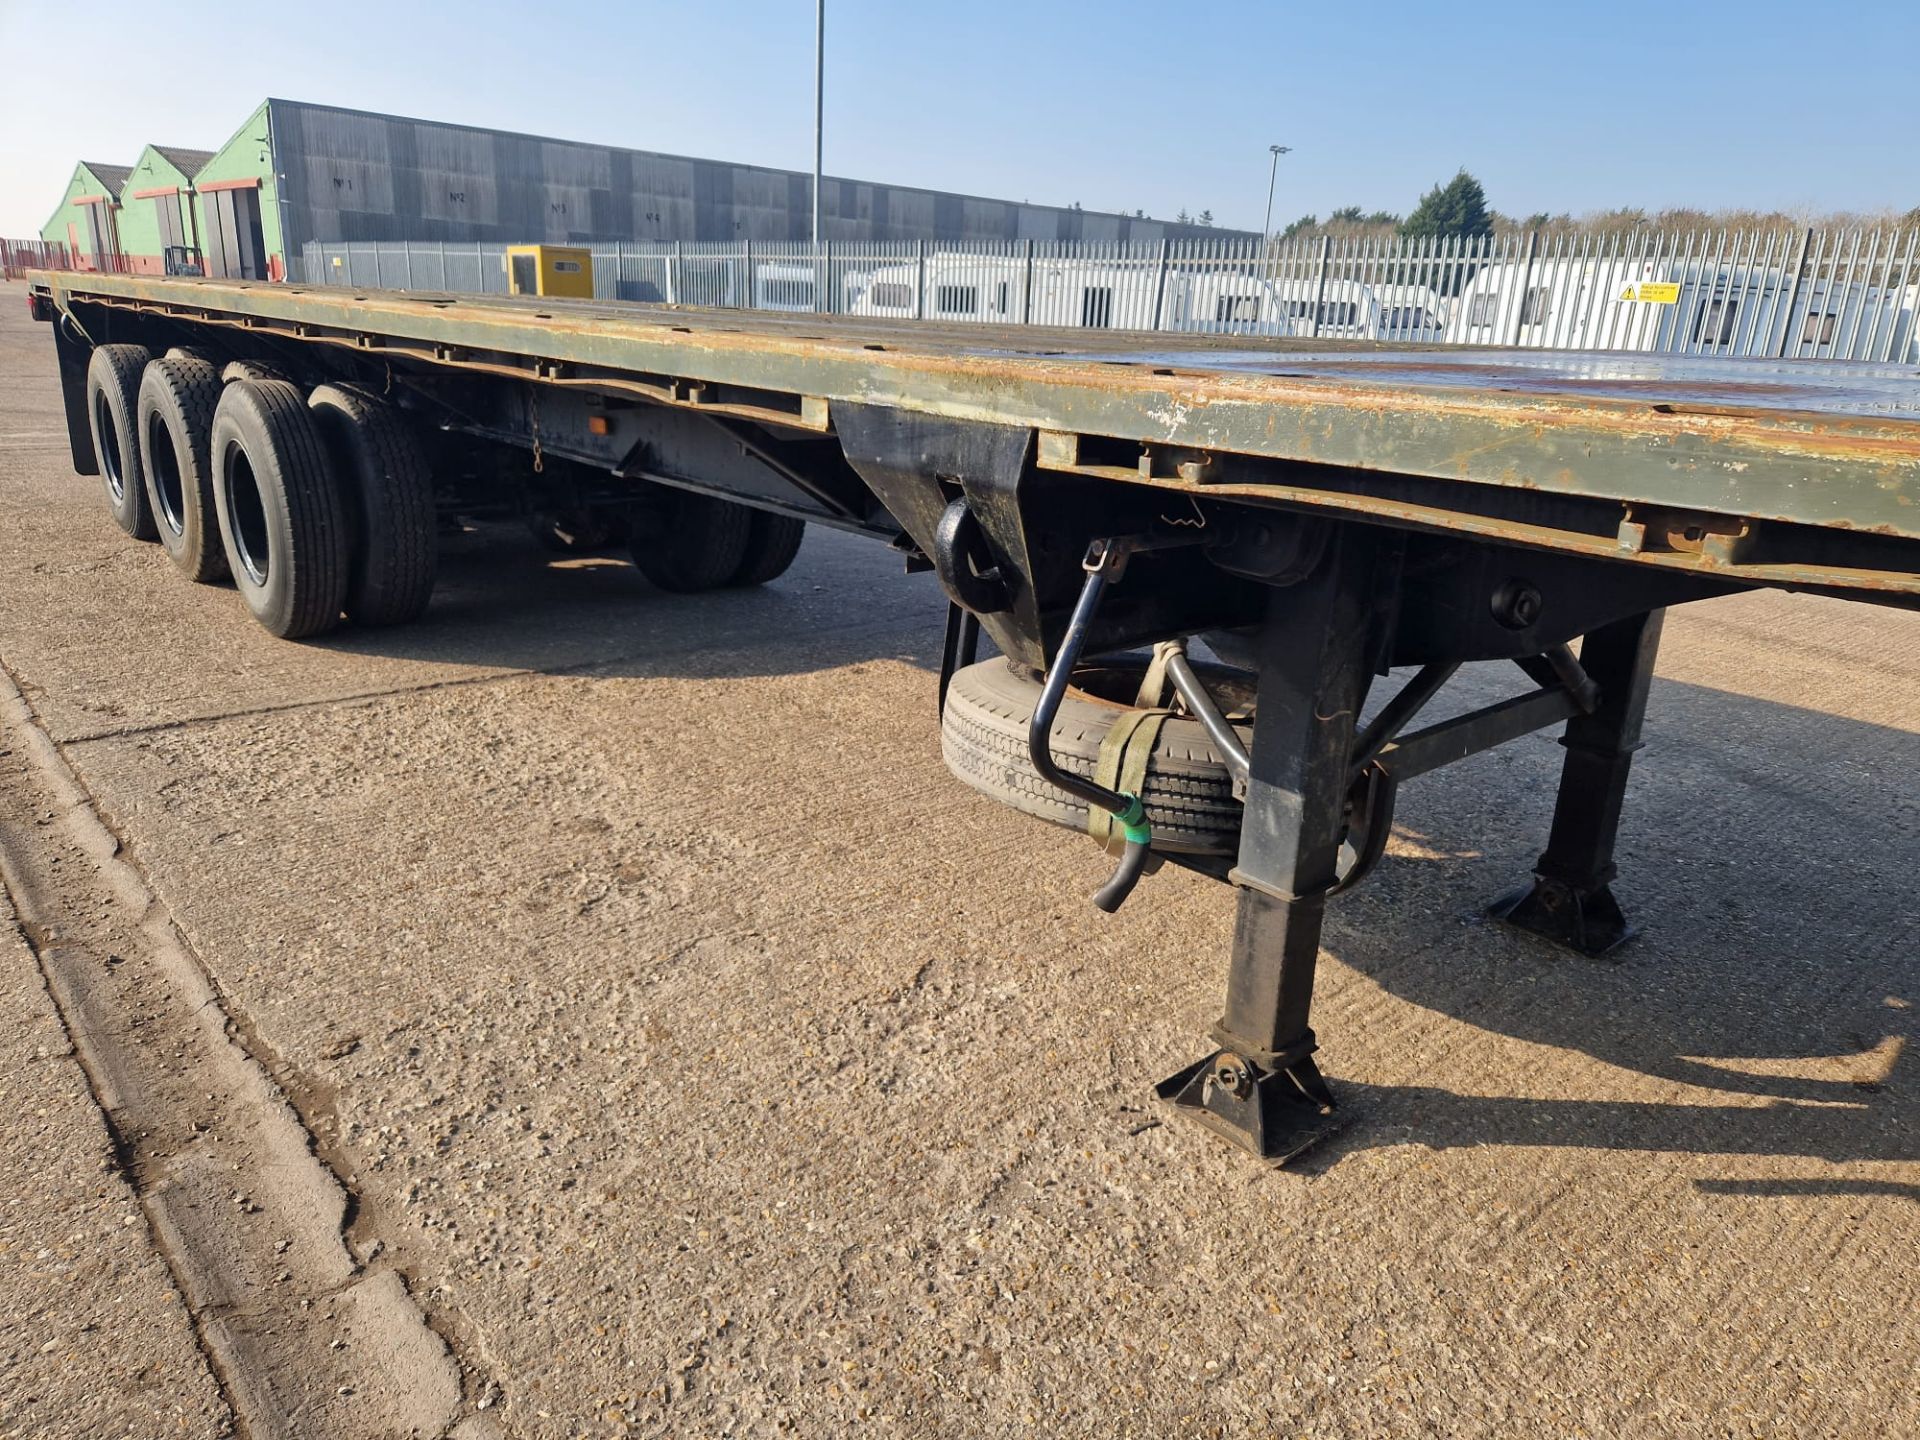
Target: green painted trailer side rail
[(1810, 443)]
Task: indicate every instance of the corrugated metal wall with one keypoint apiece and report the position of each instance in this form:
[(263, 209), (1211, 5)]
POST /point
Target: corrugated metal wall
[(356, 176)]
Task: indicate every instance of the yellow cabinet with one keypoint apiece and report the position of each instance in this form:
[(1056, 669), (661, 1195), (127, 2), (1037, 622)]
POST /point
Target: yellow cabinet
[(565, 270)]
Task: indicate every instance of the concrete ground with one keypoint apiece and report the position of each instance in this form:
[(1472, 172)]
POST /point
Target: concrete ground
[(94, 1339), (697, 1058)]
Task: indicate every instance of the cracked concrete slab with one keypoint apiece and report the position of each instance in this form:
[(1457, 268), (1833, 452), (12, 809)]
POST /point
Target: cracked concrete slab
[(94, 1338), (304, 1340)]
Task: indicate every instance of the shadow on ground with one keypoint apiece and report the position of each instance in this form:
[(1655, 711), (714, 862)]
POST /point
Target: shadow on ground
[(1770, 862), (501, 600)]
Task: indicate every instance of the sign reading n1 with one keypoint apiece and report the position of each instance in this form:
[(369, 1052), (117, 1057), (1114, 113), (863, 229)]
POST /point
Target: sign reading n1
[(1651, 292)]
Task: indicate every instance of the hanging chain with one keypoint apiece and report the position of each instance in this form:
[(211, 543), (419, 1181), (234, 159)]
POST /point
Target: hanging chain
[(533, 412)]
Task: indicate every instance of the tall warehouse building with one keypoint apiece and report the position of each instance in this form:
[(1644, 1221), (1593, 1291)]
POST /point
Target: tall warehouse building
[(296, 172)]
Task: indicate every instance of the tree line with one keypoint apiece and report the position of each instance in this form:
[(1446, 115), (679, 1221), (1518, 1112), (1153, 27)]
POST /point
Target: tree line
[(1458, 207)]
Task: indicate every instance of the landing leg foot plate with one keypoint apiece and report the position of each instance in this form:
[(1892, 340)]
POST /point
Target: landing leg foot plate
[(1587, 920), (1277, 1114)]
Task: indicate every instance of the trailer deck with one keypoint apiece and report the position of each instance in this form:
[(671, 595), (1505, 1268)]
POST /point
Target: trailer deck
[(1331, 512), (1823, 444)]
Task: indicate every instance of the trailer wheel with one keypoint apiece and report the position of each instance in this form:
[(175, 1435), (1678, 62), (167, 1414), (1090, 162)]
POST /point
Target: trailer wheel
[(113, 406), (178, 395), (282, 518), (388, 487), (772, 543), (700, 546), (1188, 790)]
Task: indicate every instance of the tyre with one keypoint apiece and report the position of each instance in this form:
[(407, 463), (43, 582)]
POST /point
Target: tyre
[(772, 542), (700, 547), (113, 405), (282, 517), (1188, 790), (388, 488), (178, 395)]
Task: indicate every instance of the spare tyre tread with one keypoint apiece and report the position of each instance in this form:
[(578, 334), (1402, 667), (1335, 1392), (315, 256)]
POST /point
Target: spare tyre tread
[(1188, 789)]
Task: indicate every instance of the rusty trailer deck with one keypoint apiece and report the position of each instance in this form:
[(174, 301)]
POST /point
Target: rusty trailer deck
[(1796, 473)]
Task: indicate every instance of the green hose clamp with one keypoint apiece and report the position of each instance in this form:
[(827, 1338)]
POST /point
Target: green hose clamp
[(1133, 822)]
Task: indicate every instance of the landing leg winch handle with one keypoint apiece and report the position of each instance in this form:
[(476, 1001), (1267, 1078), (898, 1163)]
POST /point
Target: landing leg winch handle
[(1103, 562)]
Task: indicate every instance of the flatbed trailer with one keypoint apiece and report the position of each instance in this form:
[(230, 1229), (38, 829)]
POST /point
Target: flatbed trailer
[(1322, 514)]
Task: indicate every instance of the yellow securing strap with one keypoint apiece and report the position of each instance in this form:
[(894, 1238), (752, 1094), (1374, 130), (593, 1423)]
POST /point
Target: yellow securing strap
[(1124, 755)]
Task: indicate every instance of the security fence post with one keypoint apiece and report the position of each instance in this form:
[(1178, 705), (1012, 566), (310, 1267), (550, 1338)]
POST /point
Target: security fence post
[(1320, 289), (1160, 286), (1793, 293), (1526, 280)]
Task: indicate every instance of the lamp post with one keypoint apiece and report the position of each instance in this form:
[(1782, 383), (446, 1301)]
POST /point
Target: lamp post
[(820, 275), (1273, 174), (819, 104)]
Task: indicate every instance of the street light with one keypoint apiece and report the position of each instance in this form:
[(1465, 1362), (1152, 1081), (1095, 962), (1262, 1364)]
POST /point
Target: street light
[(820, 278), (1266, 232), (819, 104)]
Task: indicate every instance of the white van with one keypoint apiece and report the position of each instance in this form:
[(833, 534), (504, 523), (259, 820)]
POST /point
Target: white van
[(1326, 310), (1414, 313)]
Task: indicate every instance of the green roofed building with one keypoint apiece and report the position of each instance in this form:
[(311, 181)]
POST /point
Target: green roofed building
[(157, 211), (87, 220), (295, 173)]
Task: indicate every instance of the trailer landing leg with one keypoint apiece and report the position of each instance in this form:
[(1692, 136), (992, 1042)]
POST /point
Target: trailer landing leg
[(1260, 1088), (1570, 900)]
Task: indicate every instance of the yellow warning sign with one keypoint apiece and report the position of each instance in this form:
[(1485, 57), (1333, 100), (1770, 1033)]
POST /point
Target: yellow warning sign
[(1652, 292)]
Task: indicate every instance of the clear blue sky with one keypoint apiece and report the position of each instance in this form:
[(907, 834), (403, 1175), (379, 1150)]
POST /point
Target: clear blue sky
[(1117, 105)]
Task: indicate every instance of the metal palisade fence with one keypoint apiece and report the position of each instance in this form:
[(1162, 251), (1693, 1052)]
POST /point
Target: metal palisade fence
[(19, 256), (1805, 293)]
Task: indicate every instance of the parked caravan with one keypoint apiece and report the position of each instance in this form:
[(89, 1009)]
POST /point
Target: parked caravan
[(1216, 301), (1115, 293), (1679, 307), (957, 286), (1587, 303), (785, 285), (1122, 293)]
